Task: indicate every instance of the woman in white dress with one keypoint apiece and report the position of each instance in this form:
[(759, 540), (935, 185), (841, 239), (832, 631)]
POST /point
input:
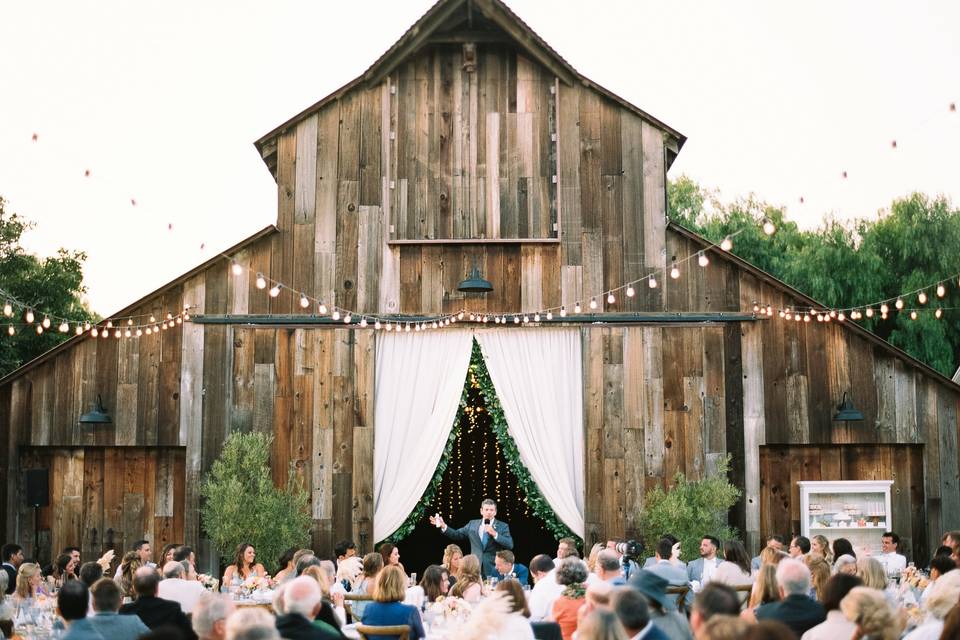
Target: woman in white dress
[(735, 568)]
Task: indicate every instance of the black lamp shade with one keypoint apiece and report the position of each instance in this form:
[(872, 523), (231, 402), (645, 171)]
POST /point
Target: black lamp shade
[(96, 415), (846, 412), (475, 283)]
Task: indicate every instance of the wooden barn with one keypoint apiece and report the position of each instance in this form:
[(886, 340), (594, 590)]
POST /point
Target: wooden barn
[(471, 142)]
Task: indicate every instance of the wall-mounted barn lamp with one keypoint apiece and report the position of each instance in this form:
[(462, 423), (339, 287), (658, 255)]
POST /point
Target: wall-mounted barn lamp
[(97, 414), (846, 412)]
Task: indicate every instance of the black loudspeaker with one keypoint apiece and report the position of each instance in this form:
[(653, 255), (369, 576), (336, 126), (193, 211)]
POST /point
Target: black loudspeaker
[(38, 487)]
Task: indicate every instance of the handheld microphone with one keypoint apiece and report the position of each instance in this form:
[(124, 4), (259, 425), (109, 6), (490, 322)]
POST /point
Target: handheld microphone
[(486, 521)]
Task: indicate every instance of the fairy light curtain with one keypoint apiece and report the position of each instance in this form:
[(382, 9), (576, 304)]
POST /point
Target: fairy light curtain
[(419, 381)]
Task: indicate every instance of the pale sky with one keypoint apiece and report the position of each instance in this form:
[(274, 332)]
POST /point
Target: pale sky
[(162, 101)]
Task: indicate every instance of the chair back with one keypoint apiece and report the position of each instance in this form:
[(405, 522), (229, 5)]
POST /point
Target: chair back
[(402, 631), (681, 593)]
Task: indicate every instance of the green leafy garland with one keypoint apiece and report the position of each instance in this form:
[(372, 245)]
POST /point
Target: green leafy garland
[(498, 423)]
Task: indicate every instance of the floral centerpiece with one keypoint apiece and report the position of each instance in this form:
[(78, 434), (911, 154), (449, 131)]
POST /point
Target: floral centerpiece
[(253, 584), (449, 610), (209, 582)]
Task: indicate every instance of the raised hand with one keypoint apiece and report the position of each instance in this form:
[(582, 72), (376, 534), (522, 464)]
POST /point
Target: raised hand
[(437, 521)]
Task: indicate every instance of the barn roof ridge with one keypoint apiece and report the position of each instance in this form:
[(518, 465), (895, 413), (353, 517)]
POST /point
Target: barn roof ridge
[(417, 36), (796, 293)]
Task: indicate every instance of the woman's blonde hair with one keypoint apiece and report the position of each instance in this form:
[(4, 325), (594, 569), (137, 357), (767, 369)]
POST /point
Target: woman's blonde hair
[(592, 558), (320, 576), (128, 566), (723, 627), (868, 609), (448, 555), (766, 589), (391, 585), (944, 594), (871, 572), (601, 624), (825, 544), (469, 575), (772, 556), (819, 573), (27, 570)]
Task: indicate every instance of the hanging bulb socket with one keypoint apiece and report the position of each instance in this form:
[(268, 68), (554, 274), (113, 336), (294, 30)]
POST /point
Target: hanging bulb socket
[(702, 259), (726, 244), (261, 281)]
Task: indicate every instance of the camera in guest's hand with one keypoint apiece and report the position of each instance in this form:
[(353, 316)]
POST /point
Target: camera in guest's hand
[(630, 549)]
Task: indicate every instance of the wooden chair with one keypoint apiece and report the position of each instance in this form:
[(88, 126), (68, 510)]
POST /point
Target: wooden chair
[(681, 593), (347, 597), (744, 591), (400, 630)]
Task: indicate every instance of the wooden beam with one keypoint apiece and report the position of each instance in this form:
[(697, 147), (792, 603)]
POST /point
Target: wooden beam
[(457, 241), (578, 319)]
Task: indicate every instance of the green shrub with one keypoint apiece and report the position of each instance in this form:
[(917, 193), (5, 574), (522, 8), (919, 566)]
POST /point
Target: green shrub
[(690, 510), (241, 503)]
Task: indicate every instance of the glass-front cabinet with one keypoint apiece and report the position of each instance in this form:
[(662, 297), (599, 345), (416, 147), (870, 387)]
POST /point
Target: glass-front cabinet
[(858, 510)]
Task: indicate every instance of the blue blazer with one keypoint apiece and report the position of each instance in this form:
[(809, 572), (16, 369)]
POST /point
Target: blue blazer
[(486, 553), (522, 573), (107, 625), (383, 614)]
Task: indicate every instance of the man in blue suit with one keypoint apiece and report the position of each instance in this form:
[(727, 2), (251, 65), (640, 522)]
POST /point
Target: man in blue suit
[(487, 535), (506, 565), (72, 602)]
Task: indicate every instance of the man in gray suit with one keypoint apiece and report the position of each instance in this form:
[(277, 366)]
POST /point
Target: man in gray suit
[(486, 535), (674, 574), (774, 542), (701, 570), (73, 601)]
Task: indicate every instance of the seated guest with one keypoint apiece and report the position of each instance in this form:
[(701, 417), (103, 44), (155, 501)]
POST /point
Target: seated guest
[(799, 546), (302, 602), (571, 575), (252, 623), (765, 590), (166, 555), (507, 567), (72, 602), (630, 608), (727, 628), (144, 554), (566, 547), (209, 617), (348, 571), (12, 557), (545, 587), (372, 565), (175, 586), (608, 568), (602, 624), (943, 597), (432, 585), (820, 546), (890, 557), (674, 574), (155, 612), (388, 608), (452, 555), (297, 556), (819, 574), (469, 586), (183, 553), (90, 572), (332, 614), (105, 623), (516, 624), (735, 568), (64, 568), (795, 609), (129, 566), (845, 564), (391, 555), (244, 565), (873, 618), (836, 625), (674, 556), (663, 613), (344, 550), (774, 542), (871, 573), (29, 582), (305, 562), (842, 547), (702, 569), (938, 566), (592, 556), (287, 568), (715, 599)]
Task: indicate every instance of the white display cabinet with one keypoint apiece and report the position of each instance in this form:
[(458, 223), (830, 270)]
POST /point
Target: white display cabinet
[(858, 510)]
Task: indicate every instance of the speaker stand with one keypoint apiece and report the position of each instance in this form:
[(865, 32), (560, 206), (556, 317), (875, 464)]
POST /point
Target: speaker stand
[(36, 533)]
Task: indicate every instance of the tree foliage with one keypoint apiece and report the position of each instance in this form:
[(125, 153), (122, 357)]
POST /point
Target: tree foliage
[(690, 510), (52, 285), (241, 503), (849, 264)]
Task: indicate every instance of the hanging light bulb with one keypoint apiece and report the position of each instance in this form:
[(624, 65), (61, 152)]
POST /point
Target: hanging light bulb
[(563, 312), (756, 306), (833, 313), (335, 315), (139, 332), (496, 319), (148, 330), (363, 322), (841, 317), (883, 316), (652, 281), (347, 319), (104, 334), (39, 329), (109, 324), (806, 317), (884, 309), (416, 328), (389, 327), (630, 291), (407, 328), (261, 281), (516, 319), (769, 310), (898, 304), (236, 268), (29, 317), (46, 322), (127, 333), (179, 320), (549, 315), (94, 332), (941, 290), (153, 318), (8, 310), (11, 330), (869, 312), (913, 315), (938, 313), (819, 317), (322, 308), (674, 271), (79, 330), (460, 315), (129, 322), (768, 227), (593, 303), (702, 259), (376, 324), (726, 244), (576, 307), (304, 303), (536, 317), (610, 298), (787, 315), (782, 314), (922, 298), (275, 290), (64, 327), (116, 334), (526, 319)]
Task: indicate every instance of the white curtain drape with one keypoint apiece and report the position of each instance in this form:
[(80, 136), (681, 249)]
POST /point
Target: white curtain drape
[(418, 382), (538, 378)]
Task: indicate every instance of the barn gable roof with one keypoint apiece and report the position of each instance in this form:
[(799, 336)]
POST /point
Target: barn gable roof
[(460, 21)]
